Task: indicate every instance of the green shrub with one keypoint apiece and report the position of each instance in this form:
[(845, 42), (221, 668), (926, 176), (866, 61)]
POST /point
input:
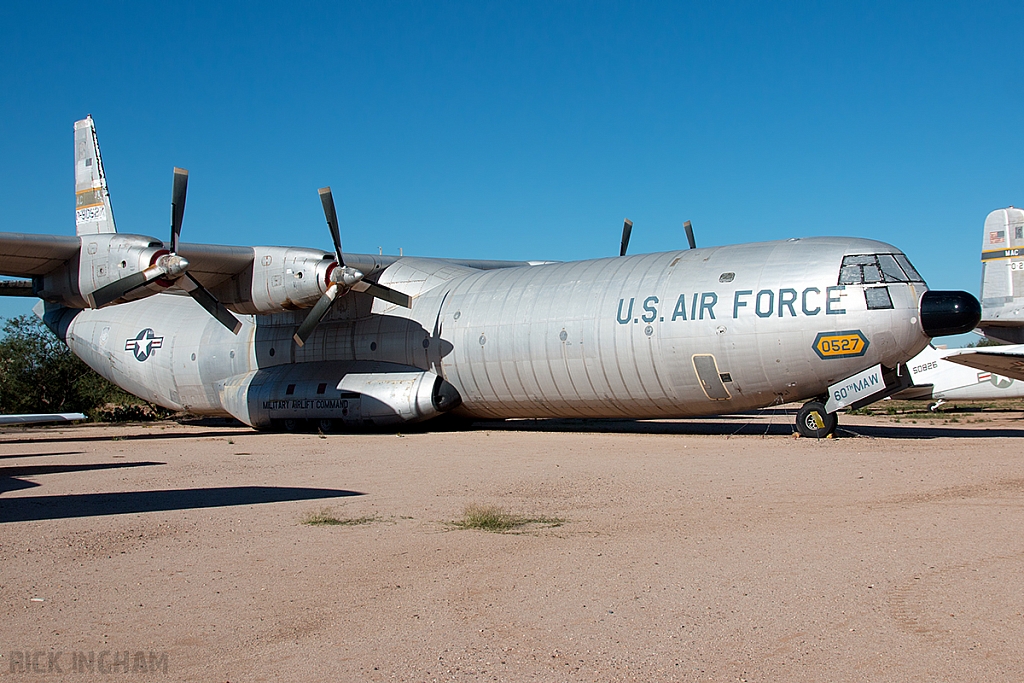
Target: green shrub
[(39, 374)]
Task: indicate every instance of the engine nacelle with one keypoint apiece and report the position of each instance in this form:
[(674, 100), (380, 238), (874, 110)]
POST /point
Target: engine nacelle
[(282, 279), (285, 279), (351, 393), (102, 259)]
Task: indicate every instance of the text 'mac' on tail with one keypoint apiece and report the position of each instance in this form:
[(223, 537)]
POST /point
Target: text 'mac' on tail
[(92, 199), (1002, 276)]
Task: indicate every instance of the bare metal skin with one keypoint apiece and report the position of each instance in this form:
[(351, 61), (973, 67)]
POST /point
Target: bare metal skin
[(277, 335)]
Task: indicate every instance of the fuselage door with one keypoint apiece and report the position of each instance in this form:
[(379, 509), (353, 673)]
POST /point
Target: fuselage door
[(710, 379)]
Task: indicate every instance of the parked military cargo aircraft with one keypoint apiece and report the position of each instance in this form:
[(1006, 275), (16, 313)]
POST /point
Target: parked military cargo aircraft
[(286, 336), (990, 372), (942, 375)]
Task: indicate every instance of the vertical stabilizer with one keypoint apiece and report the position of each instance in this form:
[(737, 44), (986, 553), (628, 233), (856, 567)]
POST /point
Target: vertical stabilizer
[(1002, 276), (1002, 258), (92, 199)]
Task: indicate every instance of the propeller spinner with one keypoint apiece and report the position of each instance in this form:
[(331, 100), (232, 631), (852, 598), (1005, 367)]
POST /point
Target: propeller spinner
[(171, 266), (342, 278)]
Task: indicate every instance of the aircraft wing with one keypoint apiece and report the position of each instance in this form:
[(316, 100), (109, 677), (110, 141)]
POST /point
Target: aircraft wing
[(40, 418), (211, 264), (1007, 361), (28, 255), (100, 266), (24, 255), (227, 273), (1008, 330)]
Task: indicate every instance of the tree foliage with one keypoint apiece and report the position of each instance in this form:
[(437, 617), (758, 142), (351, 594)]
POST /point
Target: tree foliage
[(39, 374), (984, 341)]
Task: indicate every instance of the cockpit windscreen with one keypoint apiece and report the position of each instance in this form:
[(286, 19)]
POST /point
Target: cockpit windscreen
[(869, 269)]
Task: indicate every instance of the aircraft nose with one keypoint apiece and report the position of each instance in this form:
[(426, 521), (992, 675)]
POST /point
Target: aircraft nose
[(945, 313)]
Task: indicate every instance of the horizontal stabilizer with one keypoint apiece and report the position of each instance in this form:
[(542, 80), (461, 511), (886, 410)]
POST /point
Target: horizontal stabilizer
[(1007, 361), (1007, 331)]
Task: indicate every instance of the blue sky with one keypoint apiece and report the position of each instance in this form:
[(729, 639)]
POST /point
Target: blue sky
[(524, 130)]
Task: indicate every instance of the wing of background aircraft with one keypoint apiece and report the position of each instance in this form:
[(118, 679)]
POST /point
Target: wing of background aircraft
[(1007, 361), (40, 418)]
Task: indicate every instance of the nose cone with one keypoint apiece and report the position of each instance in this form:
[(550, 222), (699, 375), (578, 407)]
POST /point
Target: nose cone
[(945, 313)]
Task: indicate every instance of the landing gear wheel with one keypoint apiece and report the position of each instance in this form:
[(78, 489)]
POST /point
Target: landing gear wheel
[(291, 424), (813, 422), (326, 426)]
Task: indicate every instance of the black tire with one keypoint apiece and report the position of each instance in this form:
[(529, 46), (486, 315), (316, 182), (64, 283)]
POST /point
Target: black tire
[(326, 426), (291, 424), (813, 414)]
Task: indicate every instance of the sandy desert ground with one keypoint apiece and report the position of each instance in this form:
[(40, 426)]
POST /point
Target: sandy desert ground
[(715, 549)]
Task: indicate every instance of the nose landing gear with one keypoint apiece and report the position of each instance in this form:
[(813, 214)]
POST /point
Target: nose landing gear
[(813, 422)]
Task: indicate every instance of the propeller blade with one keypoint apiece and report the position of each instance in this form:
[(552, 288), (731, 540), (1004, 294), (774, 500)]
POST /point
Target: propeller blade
[(209, 302), (348, 278), (627, 230), (386, 293), (118, 288), (323, 305), (178, 205), (689, 235), (327, 199)]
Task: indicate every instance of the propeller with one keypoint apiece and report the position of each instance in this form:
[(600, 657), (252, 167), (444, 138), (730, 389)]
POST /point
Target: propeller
[(172, 267), (627, 230), (342, 278), (689, 234)]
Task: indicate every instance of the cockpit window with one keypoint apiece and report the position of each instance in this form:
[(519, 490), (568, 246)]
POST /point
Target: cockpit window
[(866, 269), (908, 269), (891, 269)]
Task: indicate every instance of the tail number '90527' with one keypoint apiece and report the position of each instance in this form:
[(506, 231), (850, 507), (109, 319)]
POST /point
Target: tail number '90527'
[(845, 344)]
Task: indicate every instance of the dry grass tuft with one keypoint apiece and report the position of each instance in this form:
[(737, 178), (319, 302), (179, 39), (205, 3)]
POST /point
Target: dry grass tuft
[(498, 520), (326, 517)]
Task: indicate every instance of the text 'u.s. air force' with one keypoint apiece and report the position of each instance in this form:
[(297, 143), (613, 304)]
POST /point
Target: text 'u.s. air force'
[(766, 303)]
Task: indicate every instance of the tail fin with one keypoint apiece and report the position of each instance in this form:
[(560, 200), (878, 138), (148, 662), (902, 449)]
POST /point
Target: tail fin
[(92, 199), (1002, 276)]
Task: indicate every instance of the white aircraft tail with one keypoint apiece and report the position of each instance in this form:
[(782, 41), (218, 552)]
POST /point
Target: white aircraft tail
[(1002, 276), (92, 199)]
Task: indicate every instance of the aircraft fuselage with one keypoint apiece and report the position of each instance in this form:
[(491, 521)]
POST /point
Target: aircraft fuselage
[(673, 334)]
